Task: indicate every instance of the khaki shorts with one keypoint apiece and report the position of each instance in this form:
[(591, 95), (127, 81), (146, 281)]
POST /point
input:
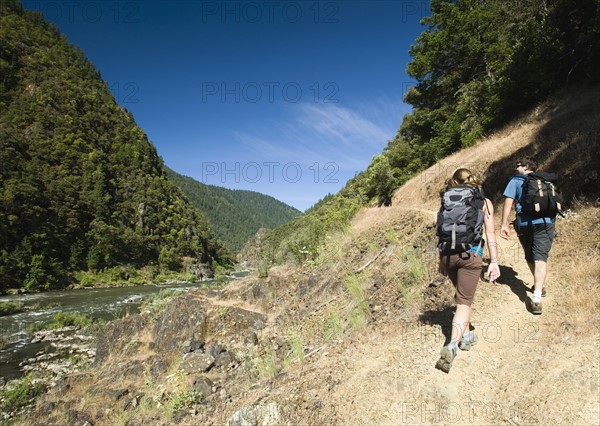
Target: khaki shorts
[(464, 270)]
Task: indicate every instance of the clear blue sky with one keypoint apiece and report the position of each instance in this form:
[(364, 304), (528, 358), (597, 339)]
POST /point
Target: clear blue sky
[(287, 98)]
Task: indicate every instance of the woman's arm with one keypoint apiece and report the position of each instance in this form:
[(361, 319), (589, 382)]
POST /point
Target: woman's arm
[(504, 231), (493, 271)]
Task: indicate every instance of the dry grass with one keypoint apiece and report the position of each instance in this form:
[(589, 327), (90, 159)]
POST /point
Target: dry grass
[(396, 247), (562, 135), (575, 267)]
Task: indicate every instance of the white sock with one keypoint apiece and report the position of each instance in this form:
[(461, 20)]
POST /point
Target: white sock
[(537, 296)]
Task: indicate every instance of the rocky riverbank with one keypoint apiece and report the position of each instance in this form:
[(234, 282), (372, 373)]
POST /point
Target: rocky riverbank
[(68, 349), (64, 351)]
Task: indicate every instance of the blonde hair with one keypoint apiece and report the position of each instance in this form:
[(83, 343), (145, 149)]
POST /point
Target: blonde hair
[(463, 176)]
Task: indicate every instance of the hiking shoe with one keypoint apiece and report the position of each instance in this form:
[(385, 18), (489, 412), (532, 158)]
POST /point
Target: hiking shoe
[(543, 290), (446, 357), (535, 307), (468, 341)]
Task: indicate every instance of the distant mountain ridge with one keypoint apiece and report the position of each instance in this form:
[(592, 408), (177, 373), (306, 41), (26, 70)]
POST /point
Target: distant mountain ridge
[(236, 215), (81, 187)]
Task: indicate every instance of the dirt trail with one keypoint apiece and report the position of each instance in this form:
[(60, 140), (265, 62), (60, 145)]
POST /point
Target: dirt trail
[(524, 370), (388, 375)]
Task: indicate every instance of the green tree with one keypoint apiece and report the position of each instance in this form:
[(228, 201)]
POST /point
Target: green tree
[(80, 184)]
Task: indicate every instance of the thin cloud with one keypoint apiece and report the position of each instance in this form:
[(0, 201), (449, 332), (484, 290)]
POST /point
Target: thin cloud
[(338, 124), (323, 133)]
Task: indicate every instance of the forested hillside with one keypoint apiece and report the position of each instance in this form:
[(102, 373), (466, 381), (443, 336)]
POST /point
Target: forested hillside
[(235, 215), (477, 65), (81, 187)]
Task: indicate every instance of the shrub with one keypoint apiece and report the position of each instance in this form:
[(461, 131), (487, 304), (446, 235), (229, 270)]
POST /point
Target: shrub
[(64, 319), (9, 308), (157, 302), (20, 394)]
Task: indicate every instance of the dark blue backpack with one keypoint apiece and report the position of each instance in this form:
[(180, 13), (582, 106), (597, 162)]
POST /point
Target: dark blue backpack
[(460, 219)]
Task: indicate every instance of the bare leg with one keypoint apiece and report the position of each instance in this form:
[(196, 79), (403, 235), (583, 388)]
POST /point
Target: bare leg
[(460, 325), (460, 322), (539, 274), (538, 270)]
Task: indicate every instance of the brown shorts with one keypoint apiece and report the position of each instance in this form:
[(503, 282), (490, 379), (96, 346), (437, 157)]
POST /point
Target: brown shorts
[(464, 270)]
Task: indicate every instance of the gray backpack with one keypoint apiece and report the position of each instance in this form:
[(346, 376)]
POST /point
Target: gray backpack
[(460, 219)]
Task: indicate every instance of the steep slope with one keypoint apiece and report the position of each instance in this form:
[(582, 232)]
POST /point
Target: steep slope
[(235, 215), (477, 65), (353, 338), (81, 187)]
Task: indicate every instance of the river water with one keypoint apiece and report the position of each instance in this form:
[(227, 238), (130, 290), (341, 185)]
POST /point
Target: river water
[(98, 303)]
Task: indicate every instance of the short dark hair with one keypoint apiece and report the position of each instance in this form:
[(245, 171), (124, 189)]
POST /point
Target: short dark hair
[(529, 163)]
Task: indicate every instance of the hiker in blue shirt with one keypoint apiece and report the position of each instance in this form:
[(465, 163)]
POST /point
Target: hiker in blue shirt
[(536, 234)]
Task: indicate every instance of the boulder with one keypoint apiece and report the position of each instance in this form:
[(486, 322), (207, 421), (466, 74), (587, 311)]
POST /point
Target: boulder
[(204, 386), (183, 320), (196, 362), (257, 415)]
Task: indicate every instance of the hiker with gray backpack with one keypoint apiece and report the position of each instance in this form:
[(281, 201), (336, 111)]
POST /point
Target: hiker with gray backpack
[(537, 202), (462, 218)]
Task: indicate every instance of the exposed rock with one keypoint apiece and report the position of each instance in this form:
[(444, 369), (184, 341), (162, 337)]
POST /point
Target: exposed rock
[(250, 338), (197, 362), (193, 345), (193, 266), (117, 337), (183, 320), (225, 359), (214, 349), (233, 325), (249, 255), (304, 286), (204, 386), (263, 415), (53, 335), (67, 352)]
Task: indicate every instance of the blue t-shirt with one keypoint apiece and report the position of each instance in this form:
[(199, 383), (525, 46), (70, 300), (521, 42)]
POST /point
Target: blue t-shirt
[(478, 250), (514, 190)]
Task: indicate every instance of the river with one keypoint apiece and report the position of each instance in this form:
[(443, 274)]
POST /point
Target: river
[(98, 303)]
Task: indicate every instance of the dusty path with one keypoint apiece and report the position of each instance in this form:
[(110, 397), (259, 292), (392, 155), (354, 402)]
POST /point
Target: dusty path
[(516, 374), (525, 369)]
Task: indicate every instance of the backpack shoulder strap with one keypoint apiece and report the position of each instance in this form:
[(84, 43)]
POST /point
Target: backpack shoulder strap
[(487, 207)]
